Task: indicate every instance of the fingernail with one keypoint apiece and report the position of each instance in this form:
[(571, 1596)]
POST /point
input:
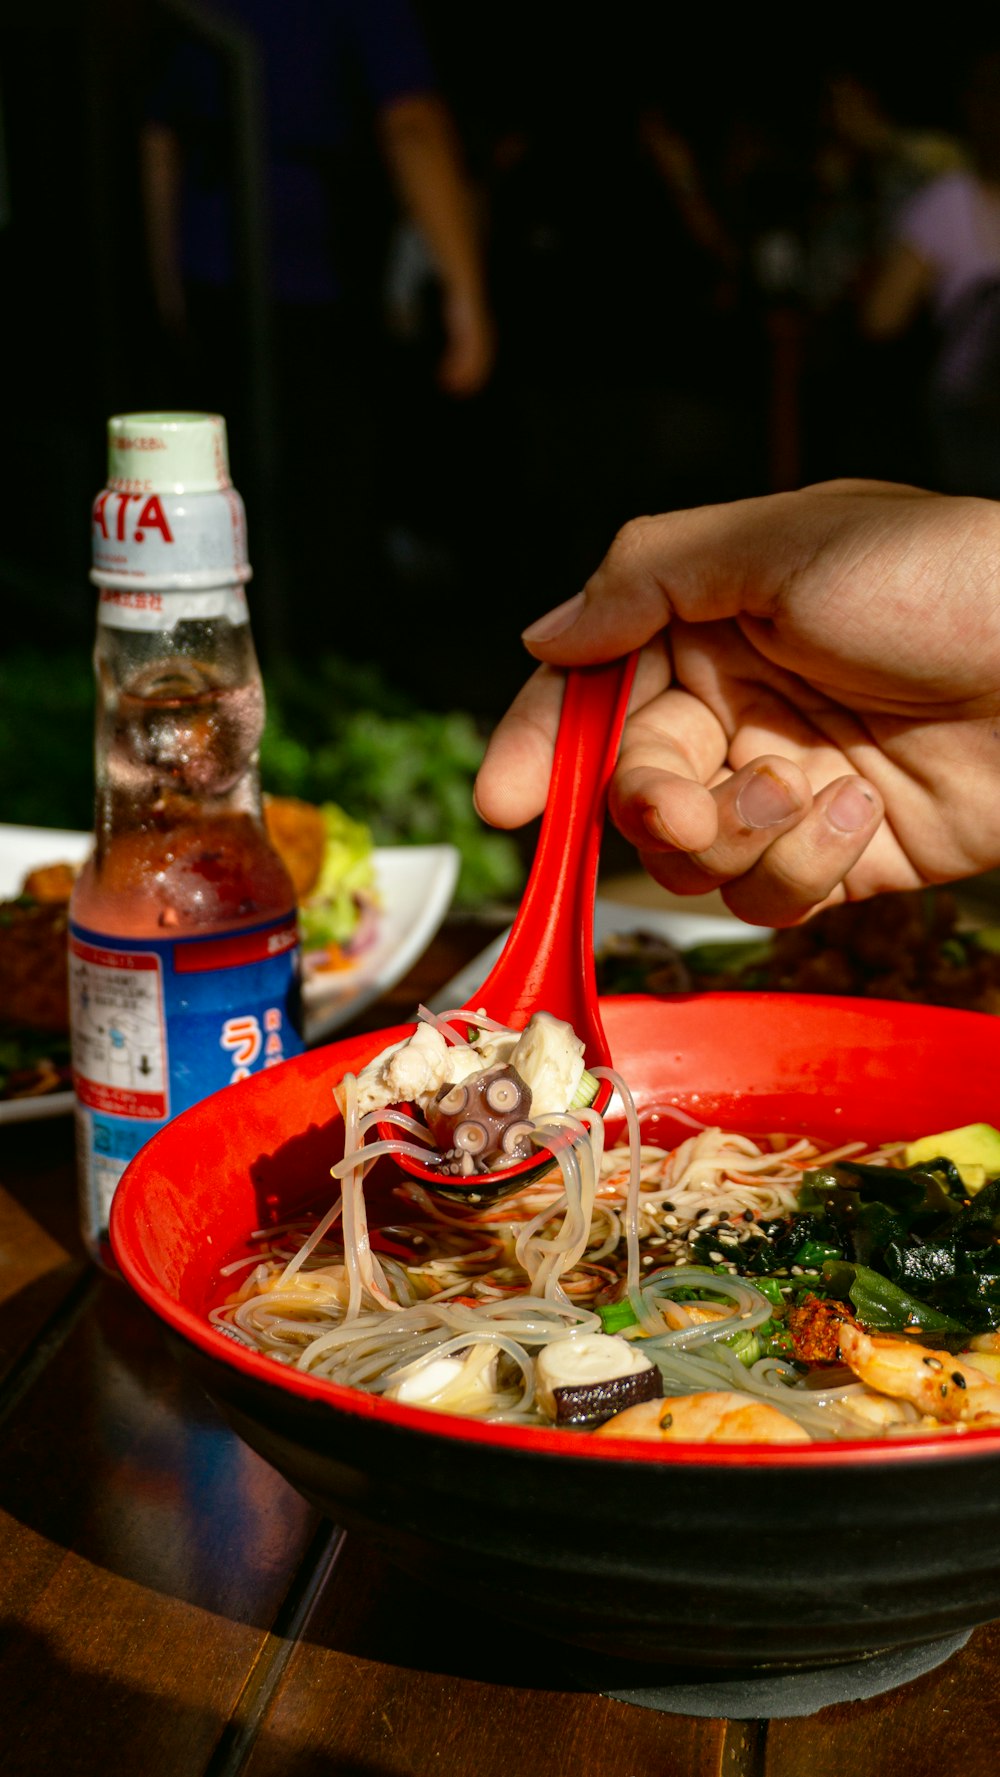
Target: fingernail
[(554, 622), (764, 800), (852, 808)]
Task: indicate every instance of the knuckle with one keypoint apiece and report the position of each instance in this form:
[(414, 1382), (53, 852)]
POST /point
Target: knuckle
[(782, 890), (677, 873), (629, 548)]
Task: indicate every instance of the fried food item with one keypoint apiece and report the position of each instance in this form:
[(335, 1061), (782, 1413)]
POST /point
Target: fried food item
[(899, 946), (297, 830), (33, 971), (34, 987), (52, 882), (906, 945)]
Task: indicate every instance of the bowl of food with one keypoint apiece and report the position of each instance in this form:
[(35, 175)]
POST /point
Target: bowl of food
[(723, 1396)]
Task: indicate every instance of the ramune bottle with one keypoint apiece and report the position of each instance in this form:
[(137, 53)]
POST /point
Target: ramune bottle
[(184, 959)]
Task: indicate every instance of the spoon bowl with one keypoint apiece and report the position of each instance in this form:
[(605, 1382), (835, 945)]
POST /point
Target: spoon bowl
[(547, 963)]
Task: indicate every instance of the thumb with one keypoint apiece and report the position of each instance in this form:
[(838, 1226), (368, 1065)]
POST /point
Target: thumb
[(622, 606), (693, 564)]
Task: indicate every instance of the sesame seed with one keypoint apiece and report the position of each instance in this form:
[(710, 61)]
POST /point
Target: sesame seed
[(958, 1379), (797, 1271), (933, 1363), (716, 1258)]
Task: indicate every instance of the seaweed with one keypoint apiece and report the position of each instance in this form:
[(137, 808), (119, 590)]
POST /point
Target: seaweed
[(906, 1246)]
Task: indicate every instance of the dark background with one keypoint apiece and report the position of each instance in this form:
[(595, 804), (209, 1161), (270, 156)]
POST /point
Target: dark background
[(632, 375)]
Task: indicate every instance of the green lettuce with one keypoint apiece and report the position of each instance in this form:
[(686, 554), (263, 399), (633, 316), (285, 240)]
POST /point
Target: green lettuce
[(346, 884)]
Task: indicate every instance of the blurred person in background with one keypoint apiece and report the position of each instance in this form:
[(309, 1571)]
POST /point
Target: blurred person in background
[(944, 261), (345, 92), (868, 165), (616, 284), (858, 405)]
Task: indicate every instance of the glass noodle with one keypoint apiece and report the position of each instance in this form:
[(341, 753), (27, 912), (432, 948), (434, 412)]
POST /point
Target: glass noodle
[(479, 1291)]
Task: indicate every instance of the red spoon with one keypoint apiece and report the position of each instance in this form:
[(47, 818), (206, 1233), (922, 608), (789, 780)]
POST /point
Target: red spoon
[(547, 963)]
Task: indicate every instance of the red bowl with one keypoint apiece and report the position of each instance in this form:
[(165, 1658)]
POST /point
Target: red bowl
[(720, 1556)]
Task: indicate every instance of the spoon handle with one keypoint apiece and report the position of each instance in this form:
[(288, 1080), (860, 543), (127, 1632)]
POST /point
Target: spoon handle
[(547, 963)]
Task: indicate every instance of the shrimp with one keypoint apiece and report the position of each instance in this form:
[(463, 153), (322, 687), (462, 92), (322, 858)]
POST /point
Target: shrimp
[(718, 1417), (937, 1383), (875, 1412)]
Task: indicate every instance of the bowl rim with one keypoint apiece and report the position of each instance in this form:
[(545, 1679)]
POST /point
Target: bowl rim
[(548, 1442)]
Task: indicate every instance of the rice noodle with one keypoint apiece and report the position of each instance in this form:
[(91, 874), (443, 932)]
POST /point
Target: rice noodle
[(491, 1285), (440, 1021), (309, 1246), (352, 1163), (397, 1119), (631, 1217), (459, 1015)]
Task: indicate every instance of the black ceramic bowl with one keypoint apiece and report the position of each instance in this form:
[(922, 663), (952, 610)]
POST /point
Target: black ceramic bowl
[(724, 1556)]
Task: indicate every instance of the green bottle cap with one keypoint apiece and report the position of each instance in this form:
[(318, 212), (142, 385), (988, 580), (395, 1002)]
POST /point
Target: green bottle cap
[(168, 453)]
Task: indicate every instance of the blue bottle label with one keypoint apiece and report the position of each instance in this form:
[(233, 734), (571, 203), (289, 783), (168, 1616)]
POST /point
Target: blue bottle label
[(160, 1023)]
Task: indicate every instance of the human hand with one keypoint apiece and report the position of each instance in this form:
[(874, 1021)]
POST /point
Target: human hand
[(816, 714)]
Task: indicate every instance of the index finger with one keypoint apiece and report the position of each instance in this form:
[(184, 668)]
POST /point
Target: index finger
[(513, 780)]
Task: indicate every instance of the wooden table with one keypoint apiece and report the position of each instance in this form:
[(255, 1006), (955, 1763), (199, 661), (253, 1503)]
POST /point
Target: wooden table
[(170, 1608)]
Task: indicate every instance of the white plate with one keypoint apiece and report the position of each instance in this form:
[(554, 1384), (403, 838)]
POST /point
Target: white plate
[(30, 1110), (610, 917), (416, 883)]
